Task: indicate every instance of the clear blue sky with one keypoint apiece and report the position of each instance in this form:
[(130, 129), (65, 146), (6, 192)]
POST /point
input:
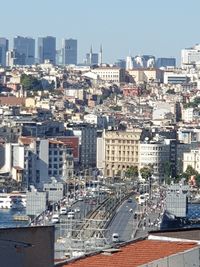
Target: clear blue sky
[(154, 27)]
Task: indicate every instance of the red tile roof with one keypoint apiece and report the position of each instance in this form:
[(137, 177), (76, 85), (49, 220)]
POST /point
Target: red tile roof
[(134, 254)]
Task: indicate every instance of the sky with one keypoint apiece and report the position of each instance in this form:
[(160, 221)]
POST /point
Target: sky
[(123, 27)]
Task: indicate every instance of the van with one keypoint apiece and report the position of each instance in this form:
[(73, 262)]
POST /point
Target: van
[(115, 237)]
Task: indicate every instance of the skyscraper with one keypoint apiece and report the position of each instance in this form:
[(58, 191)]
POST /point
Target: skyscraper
[(3, 50), (69, 48), (92, 58), (47, 49), (25, 50)]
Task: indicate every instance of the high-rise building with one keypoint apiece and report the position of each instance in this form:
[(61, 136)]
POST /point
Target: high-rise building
[(25, 50), (92, 58), (163, 62), (3, 50), (47, 49), (190, 56), (69, 48), (12, 58)]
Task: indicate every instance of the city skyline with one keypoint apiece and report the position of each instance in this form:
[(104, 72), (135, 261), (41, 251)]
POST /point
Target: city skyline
[(141, 28)]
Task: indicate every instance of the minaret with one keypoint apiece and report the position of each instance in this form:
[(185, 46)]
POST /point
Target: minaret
[(100, 56), (91, 55)]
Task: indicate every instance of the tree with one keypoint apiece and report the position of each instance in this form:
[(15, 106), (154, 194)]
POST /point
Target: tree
[(146, 172), (30, 83), (132, 172), (189, 172)]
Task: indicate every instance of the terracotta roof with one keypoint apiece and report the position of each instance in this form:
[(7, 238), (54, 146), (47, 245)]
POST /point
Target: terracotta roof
[(134, 254), (26, 140), (12, 100)]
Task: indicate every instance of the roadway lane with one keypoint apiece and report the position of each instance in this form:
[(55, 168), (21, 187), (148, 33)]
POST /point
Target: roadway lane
[(122, 223)]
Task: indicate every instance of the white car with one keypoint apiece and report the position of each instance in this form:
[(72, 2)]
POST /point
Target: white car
[(55, 218), (115, 237), (63, 210), (71, 215)]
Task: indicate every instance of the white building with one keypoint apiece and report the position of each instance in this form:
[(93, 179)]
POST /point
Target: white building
[(155, 154), (190, 56), (192, 158), (187, 114), (110, 74), (33, 161), (129, 63)]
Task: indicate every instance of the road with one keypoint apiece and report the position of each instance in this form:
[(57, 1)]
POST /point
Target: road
[(122, 223)]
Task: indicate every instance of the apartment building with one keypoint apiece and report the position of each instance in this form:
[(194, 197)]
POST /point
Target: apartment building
[(117, 151), (156, 154), (33, 161), (192, 158)]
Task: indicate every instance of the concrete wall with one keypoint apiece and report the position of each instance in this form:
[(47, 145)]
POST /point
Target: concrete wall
[(27, 247), (187, 259)]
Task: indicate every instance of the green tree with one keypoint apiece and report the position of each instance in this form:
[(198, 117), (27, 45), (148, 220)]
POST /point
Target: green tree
[(146, 172), (132, 172), (30, 83), (189, 172)]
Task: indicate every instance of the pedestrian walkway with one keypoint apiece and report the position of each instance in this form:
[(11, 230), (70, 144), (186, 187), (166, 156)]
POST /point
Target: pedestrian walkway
[(148, 217)]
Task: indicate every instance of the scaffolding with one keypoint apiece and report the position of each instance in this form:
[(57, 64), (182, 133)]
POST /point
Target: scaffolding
[(80, 236)]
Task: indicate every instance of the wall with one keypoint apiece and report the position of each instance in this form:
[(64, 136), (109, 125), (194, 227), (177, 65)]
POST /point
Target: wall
[(27, 247)]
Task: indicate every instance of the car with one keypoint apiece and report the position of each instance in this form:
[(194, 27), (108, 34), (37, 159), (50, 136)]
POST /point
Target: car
[(55, 218), (115, 237), (63, 210), (71, 215), (130, 200), (77, 209)]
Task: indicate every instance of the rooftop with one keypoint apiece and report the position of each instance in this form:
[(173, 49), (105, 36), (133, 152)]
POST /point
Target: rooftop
[(132, 254)]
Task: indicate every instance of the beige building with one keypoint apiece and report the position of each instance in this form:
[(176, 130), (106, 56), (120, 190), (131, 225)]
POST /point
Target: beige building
[(146, 75), (192, 158), (110, 74), (117, 151)]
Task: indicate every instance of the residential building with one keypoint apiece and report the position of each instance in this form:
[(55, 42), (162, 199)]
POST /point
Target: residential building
[(4, 45), (188, 114), (36, 160), (146, 75), (47, 49), (87, 134), (69, 51), (192, 158), (117, 151), (156, 154), (25, 50)]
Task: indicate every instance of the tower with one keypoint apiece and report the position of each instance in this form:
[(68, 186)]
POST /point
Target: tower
[(91, 55), (100, 55)]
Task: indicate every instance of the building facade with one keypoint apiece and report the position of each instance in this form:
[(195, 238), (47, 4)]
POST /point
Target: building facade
[(47, 49), (110, 74), (25, 50), (4, 45), (69, 51), (117, 151)]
